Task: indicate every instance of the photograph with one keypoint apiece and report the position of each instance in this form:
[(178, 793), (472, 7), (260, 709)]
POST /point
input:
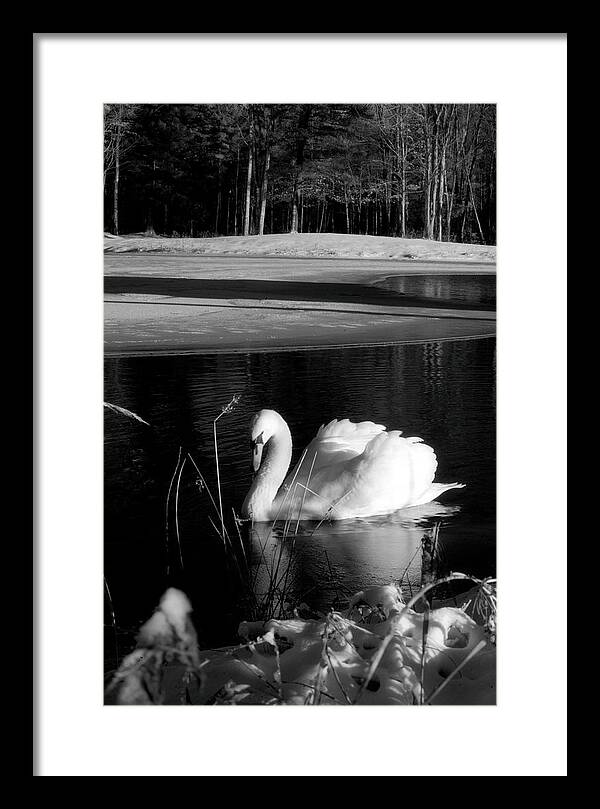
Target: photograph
[(300, 404)]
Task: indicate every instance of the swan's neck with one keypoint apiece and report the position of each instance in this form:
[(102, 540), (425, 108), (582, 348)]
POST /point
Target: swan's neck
[(277, 455)]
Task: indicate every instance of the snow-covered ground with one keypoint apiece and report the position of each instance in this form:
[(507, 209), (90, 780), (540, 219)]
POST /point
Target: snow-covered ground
[(338, 245), (377, 652), (282, 291)]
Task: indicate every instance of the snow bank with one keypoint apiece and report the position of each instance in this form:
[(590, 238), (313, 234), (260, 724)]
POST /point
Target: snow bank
[(326, 661), (310, 245)]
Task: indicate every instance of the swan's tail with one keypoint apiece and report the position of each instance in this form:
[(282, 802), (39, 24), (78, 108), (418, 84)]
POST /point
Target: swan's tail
[(434, 491)]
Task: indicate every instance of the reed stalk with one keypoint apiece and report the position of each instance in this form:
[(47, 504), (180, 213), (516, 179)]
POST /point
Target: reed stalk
[(177, 512), (167, 511), (113, 620)]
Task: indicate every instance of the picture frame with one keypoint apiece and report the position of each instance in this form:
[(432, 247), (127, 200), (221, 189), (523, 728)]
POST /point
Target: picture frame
[(74, 74)]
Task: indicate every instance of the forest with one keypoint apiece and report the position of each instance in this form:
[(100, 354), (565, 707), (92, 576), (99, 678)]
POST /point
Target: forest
[(408, 170)]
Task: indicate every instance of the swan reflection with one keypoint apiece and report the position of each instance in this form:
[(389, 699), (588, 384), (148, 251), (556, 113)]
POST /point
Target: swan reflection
[(324, 563)]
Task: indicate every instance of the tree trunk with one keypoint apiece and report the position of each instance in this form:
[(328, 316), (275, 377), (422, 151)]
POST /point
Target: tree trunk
[(218, 204), (449, 206), (435, 181), (441, 192), (294, 222), (249, 175), (150, 209), (320, 228), (235, 208), (347, 213), (117, 173), (401, 169), (263, 191), (404, 148), (475, 212), (116, 197), (427, 176), (301, 138)]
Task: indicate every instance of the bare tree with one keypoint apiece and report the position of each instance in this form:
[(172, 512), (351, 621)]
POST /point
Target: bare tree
[(118, 140), (304, 114), (249, 173)]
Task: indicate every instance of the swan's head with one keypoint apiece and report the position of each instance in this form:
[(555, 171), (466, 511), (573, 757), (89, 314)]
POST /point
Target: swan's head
[(265, 424)]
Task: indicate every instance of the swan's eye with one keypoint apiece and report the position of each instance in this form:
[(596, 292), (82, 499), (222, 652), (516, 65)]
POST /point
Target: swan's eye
[(258, 440)]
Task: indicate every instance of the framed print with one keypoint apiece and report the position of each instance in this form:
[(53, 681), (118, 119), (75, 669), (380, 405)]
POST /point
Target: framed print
[(299, 358)]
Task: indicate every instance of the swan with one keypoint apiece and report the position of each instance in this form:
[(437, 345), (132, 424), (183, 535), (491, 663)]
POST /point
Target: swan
[(348, 470)]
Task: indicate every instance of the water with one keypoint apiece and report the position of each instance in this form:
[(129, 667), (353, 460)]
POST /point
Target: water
[(441, 391), (451, 291)]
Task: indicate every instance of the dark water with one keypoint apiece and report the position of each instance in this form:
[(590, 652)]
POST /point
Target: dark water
[(476, 291), (441, 391)]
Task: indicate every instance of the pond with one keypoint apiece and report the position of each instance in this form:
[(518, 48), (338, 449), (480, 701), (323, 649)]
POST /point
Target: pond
[(449, 291), (441, 391)]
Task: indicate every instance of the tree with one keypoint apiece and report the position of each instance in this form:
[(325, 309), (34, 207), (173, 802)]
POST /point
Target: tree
[(118, 140), (302, 132), (425, 170)]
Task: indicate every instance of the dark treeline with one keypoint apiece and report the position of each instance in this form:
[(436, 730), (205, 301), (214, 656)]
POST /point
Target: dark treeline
[(421, 170)]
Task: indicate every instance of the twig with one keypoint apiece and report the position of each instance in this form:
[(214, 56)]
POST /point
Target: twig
[(114, 620), (283, 590), (331, 506), (287, 494), (406, 569), (323, 663), (218, 533), (167, 509), (204, 484), (336, 677), (239, 533), (423, 650), (304, 493), (218, 473), (227, 409), (475, 650), (177, 512)]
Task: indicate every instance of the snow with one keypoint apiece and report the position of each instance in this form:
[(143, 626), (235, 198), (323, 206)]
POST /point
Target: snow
[(176, 607), (170, 623), (184, 295), (322, 661), (385, 597), (451, 637), (334, 245)]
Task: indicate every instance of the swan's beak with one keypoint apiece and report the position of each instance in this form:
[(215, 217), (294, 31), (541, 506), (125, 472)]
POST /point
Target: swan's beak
[(257, 449)]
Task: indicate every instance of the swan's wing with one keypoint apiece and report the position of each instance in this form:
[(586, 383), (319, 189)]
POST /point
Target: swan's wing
[(391, 473), (357, 470), (394, 471), (336, 442)]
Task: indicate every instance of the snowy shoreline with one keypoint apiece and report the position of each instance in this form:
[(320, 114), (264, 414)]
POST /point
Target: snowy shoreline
[(377, 652), (305, 245), (171, 299)]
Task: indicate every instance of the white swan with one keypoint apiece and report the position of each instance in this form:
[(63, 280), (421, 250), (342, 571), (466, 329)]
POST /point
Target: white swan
[(348, 470)]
